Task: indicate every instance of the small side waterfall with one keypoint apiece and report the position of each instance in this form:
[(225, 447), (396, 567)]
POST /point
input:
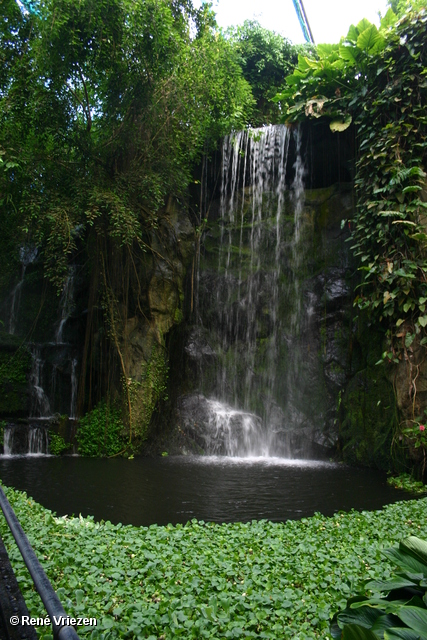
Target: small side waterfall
[(27, 255), (25, 440), (39, 401), (52, 379), (67, 304), (74, 382), (15, 302)]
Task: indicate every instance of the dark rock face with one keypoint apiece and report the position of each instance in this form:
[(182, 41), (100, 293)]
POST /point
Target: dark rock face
[(45, 379), (297, 404)]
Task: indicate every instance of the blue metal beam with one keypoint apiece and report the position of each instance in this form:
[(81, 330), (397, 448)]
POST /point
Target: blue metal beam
[(303, 20), (30, 6)]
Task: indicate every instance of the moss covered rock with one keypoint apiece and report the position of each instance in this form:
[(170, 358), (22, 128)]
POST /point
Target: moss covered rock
[(15, 364), (369, 418)]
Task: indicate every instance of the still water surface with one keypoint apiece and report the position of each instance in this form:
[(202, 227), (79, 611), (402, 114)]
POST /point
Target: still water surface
[(176, 489)]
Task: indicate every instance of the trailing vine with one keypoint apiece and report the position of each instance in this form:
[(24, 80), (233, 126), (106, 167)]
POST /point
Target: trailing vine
[(377, 80)]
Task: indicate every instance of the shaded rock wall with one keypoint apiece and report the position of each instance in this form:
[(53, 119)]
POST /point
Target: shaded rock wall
[(307, 387)]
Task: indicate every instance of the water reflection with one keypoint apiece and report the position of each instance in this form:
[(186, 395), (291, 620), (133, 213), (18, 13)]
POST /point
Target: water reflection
[(171, 490)]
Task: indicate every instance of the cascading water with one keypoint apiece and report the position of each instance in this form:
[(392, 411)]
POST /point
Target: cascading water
[(253, 307), (53, 376), (67, 304), (39, 401), (25, 440), (73, 402), (27, 255)]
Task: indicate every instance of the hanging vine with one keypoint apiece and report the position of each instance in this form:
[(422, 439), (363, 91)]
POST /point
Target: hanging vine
[(376, 79)]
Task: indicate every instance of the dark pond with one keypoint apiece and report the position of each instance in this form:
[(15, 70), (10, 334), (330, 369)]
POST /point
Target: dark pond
[(171, 490)]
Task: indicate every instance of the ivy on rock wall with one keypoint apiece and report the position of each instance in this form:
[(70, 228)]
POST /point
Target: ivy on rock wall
[(377, 80)]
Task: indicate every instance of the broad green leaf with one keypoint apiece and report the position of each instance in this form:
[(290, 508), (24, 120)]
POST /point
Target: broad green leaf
[(384, 622), (364, 616), (303, 63), (415, 547), (350, 54), (363, 25), (409, 338), (340, 125), (377, 603), (401, 634), (356, 632), (389, 585), (296, 107), (422, 320), (327, 50), (370, 40), (388, 20), (353, 34), (415, 618)]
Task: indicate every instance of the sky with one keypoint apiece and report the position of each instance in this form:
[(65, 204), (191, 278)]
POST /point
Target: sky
[(329, 19)]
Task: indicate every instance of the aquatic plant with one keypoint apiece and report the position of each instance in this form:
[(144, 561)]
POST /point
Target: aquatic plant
[(406, 481), (202, 580)]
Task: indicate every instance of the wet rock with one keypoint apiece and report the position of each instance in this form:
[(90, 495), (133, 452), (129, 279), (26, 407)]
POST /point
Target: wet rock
[(197, 346)]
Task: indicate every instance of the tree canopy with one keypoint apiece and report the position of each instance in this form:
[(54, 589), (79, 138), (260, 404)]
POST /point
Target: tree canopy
[(104, 108), (266, 58)]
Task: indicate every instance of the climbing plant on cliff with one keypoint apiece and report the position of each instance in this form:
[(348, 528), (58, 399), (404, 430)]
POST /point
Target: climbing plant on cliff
[(377, 80)]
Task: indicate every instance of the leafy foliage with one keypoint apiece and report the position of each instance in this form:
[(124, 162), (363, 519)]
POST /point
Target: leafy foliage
[(100, 432), (104, 108), (398, 608), (252, 580), (57, 444), (407, 482), (14, 370), (265, 58), (377, 80)]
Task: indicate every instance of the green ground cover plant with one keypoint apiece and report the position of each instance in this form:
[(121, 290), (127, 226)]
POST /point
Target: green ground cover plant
[(202, 580), (406, 481), (100, 431)]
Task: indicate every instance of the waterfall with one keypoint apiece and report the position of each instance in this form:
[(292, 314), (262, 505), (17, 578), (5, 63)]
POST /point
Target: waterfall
[(15, 302), (234, 433), (253, 162), (25, 440), (8, 440), (253, 306), (37, 441), (27, 255), (66, 304), (39, 401), (73, 403)]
